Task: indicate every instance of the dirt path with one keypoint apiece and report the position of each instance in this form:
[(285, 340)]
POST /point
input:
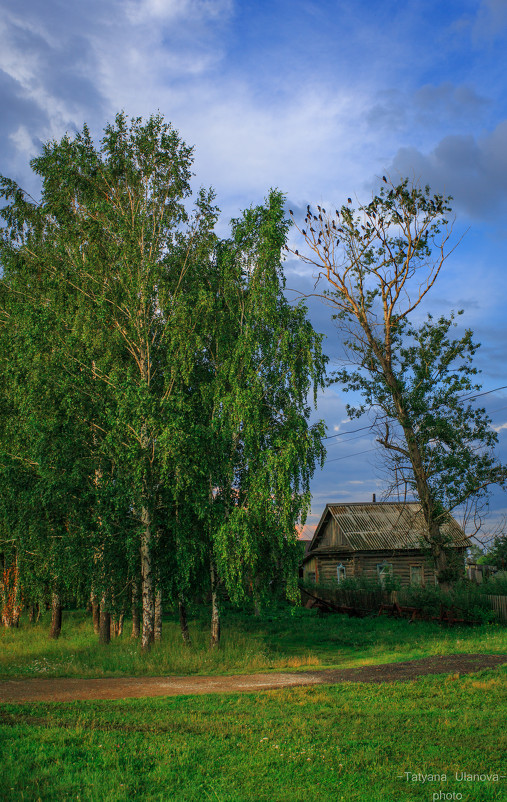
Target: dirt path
[(70, 689)]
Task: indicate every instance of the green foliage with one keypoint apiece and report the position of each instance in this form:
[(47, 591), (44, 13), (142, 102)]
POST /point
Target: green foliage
[(497, 554), (434, 375), (466, 599), (84, 274), (157, 380), (362, 582), (495, 585)]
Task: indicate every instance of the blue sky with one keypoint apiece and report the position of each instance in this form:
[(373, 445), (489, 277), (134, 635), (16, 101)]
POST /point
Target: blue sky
[(316, 98)]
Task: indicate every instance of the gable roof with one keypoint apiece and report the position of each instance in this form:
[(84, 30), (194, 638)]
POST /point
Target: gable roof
[(382, 525)]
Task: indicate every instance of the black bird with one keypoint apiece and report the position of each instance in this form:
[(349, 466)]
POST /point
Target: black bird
[(349, 200), (384, 179)]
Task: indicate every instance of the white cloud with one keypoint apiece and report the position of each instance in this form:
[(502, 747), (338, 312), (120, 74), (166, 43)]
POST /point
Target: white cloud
[(23, 142), (173, 10)]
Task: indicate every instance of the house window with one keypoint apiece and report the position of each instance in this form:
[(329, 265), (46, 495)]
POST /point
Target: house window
[(416, 575), (310, 577), (384, 571), (341, 572)]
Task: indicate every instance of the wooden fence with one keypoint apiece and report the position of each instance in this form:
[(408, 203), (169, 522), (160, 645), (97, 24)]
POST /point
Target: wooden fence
[(499, 604), (337, 598), (364, 601)]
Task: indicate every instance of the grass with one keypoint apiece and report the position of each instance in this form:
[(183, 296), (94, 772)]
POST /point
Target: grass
[(313, 744), (344, 743), (285, 639)]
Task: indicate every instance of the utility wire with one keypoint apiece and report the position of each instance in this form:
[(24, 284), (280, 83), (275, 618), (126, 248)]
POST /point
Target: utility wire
[(472, 397), (464, 398), (351, 431), (350, 440), (356, 454)]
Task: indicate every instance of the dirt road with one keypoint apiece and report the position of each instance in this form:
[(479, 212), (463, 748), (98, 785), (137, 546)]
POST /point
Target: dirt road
[(70, 689)]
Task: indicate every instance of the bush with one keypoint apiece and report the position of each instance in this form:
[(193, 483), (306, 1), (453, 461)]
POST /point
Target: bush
[(363, 583), (428, 599), (495, 585), (465, 597)]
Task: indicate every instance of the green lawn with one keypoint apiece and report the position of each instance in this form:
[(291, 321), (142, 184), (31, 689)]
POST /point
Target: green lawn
[(316, 744), (289, 638)]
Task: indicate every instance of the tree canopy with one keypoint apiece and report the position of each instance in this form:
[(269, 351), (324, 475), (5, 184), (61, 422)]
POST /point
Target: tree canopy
[(156, 377)]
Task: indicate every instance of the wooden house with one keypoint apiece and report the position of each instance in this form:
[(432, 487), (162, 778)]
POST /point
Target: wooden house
[(374, 540)]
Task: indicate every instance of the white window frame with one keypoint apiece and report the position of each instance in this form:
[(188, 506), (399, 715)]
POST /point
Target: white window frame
[(421, 569), (382, 573), (341, 572)]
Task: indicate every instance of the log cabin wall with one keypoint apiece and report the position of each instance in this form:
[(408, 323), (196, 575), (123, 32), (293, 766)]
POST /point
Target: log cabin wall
[(310, 571), (323, 568), (402, 563), (328, 566)]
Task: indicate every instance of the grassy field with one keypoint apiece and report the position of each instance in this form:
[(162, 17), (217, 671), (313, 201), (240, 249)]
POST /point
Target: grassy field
[(314, 744), (288, 638)]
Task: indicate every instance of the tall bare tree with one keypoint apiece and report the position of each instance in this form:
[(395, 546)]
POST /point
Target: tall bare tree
[(379, 263)]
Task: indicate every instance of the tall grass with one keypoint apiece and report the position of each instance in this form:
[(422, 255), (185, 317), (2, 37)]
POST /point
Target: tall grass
[(285, 638)]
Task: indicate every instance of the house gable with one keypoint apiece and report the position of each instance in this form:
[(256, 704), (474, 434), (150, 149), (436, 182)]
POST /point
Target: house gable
[(329, 534), (332, 535)]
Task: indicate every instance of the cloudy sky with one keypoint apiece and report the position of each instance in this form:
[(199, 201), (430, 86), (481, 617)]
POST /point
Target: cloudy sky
[(316, 98)]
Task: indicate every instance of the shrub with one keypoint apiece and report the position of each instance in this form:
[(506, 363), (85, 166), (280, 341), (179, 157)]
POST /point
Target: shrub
[(427, 598), (465, 597), (495, 585)]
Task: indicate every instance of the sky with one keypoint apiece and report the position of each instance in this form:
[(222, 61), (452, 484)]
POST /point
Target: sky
[(318, 99)]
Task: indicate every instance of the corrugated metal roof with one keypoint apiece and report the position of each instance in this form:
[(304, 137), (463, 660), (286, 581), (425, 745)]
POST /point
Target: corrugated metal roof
[(386, 525)]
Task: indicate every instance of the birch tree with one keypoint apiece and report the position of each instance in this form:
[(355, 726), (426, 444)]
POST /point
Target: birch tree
[(264, 361), (103, 234)]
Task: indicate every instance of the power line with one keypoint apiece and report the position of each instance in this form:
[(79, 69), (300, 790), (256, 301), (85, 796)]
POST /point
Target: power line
[(352, 431), (479, 395), (498, 409), (350, 440), (464, 398), (356, 454)]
